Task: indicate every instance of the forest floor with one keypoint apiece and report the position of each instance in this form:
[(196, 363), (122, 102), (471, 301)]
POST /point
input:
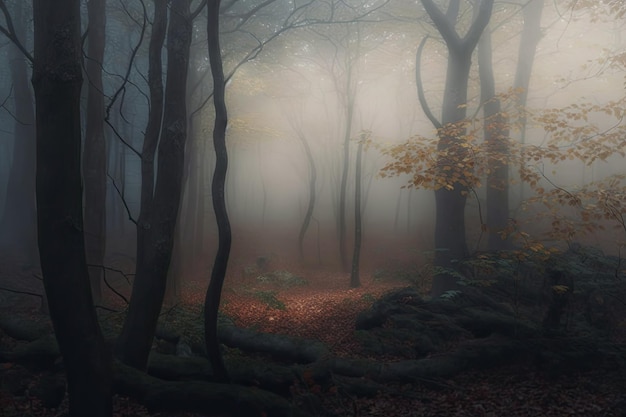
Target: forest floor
[(325, 309)]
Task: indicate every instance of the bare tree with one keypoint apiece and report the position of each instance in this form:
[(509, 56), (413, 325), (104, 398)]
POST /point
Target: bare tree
[(218, 273), (450, 240)]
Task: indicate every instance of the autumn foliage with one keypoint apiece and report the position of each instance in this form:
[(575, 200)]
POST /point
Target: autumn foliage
[(569, 139)]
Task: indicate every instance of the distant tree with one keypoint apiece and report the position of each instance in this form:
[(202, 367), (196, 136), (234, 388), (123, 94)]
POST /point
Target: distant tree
[(355, 278), (57, 81), (496, 123), (18, 217)]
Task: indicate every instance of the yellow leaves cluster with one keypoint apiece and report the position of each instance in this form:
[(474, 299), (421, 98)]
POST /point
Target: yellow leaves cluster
[(457, 158)]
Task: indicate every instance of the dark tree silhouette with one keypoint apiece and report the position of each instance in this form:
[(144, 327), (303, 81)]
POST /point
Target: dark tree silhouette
[(57, 80), (214, 292), (156, 226)]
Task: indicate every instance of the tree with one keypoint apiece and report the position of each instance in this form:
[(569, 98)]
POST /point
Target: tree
[(450, 240), (94, 161), (218, 273), (160, 199), (57, 80), (496, 124), (355, 279)]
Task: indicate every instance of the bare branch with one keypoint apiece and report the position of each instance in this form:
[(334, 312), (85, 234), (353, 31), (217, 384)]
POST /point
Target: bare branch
[(9, 32), (119, 193)]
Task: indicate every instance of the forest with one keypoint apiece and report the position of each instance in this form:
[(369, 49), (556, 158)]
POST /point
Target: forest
[(331, 208)]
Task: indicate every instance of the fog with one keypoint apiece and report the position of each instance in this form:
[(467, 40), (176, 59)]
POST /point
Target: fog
[(319, 82)]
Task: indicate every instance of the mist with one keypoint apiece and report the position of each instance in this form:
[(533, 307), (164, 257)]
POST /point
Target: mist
[(386, 191)]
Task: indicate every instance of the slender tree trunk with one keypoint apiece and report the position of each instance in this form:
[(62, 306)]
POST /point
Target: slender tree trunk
[(531, 35), (157, 226), (57, 79), (214, 292), (345, 168), (94, 162), (18, 223), (355, 279)]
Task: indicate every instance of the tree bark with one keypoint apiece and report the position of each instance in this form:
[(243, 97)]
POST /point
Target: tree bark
[(57, 81), (214, 292), (156, 228), (94, 162)]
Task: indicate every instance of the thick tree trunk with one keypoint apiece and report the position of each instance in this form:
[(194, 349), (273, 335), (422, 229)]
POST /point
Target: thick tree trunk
[(94, 162), (18, 223), (156, 227), (450, 238), (214, 292), (57, 80)]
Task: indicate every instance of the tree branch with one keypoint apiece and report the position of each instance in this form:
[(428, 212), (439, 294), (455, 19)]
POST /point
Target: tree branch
[(420, 86), (9, 32)]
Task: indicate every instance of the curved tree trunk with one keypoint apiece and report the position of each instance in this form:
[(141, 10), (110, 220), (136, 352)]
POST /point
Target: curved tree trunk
[(57, 79), (214, 292), (94, 162)]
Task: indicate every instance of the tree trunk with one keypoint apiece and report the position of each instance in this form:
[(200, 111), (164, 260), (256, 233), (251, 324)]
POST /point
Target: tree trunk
[(94, 162), (156, 227), (57, 81), (355, 279), (531, 35), (345, 167), (18, 224), (214, 292)]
